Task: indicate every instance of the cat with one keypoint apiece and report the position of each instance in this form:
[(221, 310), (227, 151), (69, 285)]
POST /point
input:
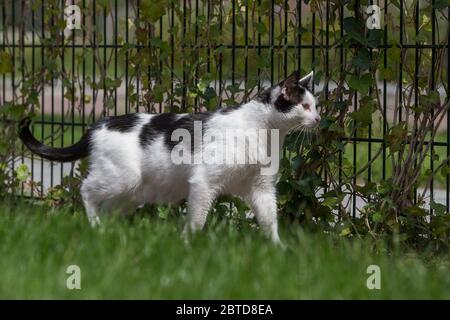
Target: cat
[(131, 156)]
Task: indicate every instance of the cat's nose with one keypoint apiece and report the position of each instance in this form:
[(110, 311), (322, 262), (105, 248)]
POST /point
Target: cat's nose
[(317, 118)]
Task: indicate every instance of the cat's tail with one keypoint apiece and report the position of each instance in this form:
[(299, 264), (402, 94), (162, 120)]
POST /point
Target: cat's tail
[(74, 152)]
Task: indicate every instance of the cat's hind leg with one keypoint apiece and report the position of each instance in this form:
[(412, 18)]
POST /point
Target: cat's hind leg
[(91, 204)]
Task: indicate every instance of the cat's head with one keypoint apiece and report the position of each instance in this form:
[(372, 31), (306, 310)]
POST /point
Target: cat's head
[(292, 104)]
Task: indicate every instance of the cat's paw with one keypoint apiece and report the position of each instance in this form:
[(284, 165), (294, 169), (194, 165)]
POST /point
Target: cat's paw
[(280, 245), (94, 221)]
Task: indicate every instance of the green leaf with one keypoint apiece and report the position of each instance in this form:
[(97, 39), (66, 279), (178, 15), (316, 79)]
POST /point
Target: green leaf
[(394, 52), (363, 115), (345, 232), (374, 37), (297, 161), (441, 4), (158, 93), (152, 10), (430, 100), (361, 84), (445, 170), (6, 63), (386, 73), (396, 136), (330, 202), (163, 212), (417, 211), (17, 111), (261, 28), (22, 172), (362, 60), (3, 148), (377, 217), (439, 208), (340, 105), (354, 30)]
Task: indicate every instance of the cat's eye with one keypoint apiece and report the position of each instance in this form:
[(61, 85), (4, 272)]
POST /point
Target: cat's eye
[(306, 106)]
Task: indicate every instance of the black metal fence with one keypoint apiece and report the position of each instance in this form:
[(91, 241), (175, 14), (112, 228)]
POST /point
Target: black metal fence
[(189, 55)]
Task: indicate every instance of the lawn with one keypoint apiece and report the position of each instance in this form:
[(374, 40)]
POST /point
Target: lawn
[(144, 257)]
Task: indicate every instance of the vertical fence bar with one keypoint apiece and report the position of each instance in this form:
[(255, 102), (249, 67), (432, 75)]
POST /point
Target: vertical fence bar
[(313, 44), (233, 46), (22, 62), (127, 40), (341, 75), (416, 69), (220, 53), (3, 46), (384, 92), (327, 71), (400, 78), (433, 62), (94, 49), (183, 51), (73, 96), (159, 57), (43, 93), (258, 71), (172, 55), (197, 49), (285, 49), (447, 182), (83, 74), (52, 127), (138, 71), (116, 21), (369, 144), (245, 52), (105, 65), (299, 35), (63, 67), (272, 40), (13, 77), (208, 18), (355, 108), (33, 65)]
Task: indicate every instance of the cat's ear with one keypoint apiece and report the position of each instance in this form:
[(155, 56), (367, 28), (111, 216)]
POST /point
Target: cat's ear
[(293, 78), (306, 80), (290, 82)]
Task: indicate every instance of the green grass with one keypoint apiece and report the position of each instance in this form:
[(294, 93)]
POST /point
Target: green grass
[(145, 257)]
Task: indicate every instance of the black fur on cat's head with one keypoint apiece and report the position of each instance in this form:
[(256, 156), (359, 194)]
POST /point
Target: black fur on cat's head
[(293, 102)]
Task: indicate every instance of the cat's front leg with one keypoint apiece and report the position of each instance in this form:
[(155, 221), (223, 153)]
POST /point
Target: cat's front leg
[(263, 202), (201, 196)]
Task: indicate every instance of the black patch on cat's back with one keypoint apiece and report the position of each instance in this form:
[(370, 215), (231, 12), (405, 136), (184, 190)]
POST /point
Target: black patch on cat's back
[(156, 125), (123, 123), (229, 109), (165, 123)]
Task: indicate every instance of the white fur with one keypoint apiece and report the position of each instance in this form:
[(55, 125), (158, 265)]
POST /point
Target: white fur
[(123, 175)]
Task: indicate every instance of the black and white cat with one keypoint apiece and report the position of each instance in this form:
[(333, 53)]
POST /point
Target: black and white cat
[(134, 158)]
